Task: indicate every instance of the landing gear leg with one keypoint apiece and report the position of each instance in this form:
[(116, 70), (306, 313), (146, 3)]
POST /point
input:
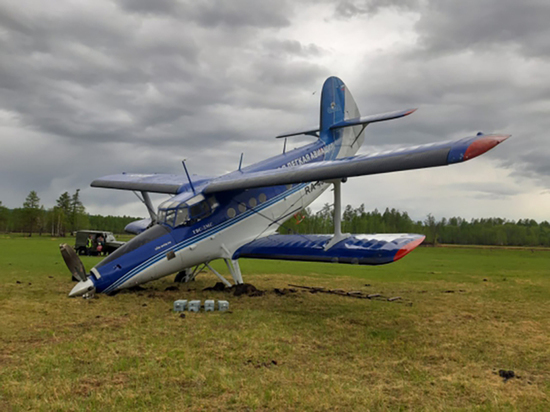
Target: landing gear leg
[(235, 270), (338, 235), (183, 276)]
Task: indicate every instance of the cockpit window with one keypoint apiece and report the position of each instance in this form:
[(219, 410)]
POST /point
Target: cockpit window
[(182, 213)]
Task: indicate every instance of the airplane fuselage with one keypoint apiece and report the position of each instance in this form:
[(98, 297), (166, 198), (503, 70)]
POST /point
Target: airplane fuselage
[(239, 218)]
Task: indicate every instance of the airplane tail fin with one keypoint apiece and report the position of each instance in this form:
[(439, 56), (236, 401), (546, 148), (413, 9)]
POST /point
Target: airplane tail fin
[(338, 105)]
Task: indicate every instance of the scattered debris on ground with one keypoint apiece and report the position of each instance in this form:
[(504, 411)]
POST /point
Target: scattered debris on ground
[(261, 364), (218, 287), (285, 291), (246, 289), (237, 290), (172, 289), (358, 294), (507, 375), (136, 288)]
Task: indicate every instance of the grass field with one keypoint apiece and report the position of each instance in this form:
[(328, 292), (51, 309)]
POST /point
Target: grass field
[(464, 314)]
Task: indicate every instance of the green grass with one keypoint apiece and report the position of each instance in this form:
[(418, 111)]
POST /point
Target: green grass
[(431, 350)]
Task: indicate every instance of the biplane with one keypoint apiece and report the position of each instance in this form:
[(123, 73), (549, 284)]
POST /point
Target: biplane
[(237, 215)]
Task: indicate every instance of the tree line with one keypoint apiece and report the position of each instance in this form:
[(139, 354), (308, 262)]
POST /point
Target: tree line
[(454, 230), (68, 215)]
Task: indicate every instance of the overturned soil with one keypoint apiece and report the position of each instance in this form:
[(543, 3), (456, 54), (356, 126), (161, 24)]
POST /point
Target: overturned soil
[(237, 290)]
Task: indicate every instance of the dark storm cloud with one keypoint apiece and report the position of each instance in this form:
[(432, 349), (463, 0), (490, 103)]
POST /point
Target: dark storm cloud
[(95, 88), (99, 88), (233, 14), (475, 66)]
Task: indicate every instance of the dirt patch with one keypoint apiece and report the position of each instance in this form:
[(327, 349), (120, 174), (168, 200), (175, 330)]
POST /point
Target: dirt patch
[(237, 290), (172, 289)]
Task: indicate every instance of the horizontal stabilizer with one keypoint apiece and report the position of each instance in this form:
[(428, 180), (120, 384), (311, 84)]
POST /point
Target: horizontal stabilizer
[(375, 249), (372, 118), (313, 131)]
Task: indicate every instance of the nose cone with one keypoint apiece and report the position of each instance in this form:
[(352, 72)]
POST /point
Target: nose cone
[(82, 287)]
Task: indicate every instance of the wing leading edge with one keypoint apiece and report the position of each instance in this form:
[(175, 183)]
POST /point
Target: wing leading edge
[(155, 183), (417, 157)]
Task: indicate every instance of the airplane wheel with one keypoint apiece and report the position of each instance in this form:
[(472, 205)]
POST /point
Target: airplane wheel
[(182, 276)]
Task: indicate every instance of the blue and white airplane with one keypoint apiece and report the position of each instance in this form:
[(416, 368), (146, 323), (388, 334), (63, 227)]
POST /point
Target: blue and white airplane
[(237, 215)]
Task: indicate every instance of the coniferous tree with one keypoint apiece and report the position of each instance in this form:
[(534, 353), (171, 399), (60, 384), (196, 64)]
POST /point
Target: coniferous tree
[(4, 217), (78, 217), (61, 214), (31, 209)]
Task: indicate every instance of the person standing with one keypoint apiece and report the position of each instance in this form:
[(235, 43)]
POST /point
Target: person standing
[(89, 245)]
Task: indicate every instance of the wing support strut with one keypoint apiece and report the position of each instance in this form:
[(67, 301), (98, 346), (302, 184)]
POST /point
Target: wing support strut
[(338, 235), (224, 280), (146, 200)]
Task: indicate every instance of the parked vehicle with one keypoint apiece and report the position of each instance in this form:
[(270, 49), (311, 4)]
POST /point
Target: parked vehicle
[(105, 241)]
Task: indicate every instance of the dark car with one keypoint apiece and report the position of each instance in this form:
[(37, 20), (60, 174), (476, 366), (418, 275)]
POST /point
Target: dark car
[(110, 244)]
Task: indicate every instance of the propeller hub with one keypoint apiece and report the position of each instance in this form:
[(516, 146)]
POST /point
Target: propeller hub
[(82, 288)]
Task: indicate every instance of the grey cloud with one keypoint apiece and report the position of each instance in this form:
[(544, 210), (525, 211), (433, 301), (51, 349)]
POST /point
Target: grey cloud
[(292, 48), (447, 26), (214, 13), (107, 87), (347, 9)]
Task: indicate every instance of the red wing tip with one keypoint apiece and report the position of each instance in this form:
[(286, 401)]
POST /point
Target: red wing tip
[(410, 112), (408, 248), (483, 144)]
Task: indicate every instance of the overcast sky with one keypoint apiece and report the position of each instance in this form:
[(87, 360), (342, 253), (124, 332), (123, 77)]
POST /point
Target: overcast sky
[(90, 88)]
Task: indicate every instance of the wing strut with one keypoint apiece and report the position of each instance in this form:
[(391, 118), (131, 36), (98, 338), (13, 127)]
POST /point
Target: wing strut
[(338, 235), (146, 200), (224, 280)]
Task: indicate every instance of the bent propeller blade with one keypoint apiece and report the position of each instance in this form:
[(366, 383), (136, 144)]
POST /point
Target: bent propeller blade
[(73, 262)]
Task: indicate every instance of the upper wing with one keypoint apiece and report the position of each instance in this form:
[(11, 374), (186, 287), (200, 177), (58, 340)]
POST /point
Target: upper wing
[(417, 157), (155, 183), (312, 131)]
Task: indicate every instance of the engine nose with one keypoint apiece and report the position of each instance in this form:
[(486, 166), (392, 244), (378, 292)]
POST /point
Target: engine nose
[(82, 288)]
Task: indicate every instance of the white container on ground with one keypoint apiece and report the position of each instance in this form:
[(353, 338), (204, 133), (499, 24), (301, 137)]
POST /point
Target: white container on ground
[(209, 306), (194, 306), (179, 305), (223, 305)]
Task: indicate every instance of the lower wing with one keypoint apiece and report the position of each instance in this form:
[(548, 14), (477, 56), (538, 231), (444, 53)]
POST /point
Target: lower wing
[(375, 249)]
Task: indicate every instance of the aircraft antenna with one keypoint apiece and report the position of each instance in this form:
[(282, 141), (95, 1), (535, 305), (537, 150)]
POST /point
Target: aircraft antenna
[(284, 147), (188, 177), (241, 161)]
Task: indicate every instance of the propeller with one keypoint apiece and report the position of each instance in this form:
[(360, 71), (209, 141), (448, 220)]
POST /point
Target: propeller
[(73, 262)]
